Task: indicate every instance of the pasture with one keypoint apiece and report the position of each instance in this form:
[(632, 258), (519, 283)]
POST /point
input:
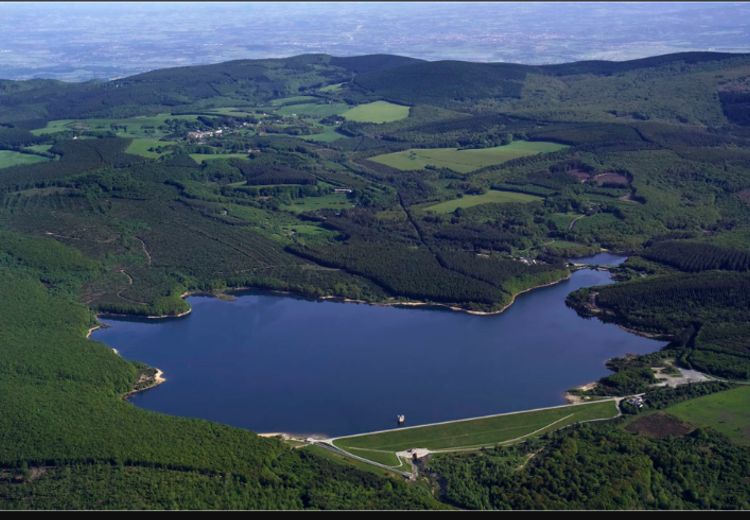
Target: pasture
[(233, 111), (463, 160), (336, 87), (314, 110), (39, 148), (203, 157), (727, 412), (328, 135), (11, 158), (376, 112), (491, 196), (292, 100), (472, 434), (142, 126), (144, 146)]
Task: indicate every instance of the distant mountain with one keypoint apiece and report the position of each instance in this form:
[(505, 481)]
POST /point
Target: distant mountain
[(396, 78)]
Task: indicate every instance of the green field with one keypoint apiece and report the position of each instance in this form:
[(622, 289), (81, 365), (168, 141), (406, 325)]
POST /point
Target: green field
[(292, 100), (140, 146), (203, 157), (316, 110), (142, 126), (727, 412), (39, 148), (377, 112), (463, 161), (328, 135), (11, 158), (472, 433), (491, 196), (569, 249), (332, 88)]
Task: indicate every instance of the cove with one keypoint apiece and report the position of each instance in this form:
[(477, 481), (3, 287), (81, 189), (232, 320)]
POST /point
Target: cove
[(274, 363)]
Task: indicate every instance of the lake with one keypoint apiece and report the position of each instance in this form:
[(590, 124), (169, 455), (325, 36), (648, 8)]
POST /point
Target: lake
[(275, 363)]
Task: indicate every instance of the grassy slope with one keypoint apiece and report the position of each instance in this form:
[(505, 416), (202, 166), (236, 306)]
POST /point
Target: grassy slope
[(203, 157), (141, 146), (10, 158), (472, 433), (142, 126), (317, 110), (377, 112), (492, 196), (466, 160), (727, 412)]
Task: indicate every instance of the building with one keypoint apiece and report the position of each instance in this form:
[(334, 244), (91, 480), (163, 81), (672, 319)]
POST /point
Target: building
[(636, 401)]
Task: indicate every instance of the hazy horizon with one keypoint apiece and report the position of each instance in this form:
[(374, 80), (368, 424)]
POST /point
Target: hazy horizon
[(79, 41)]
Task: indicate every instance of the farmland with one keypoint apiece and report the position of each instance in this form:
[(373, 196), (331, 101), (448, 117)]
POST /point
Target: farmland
[(313, 110), (376, 112), (490, 197), (463, 160), (328, 135), (10, 158), (203, 157), (146, 147), (142, 126)]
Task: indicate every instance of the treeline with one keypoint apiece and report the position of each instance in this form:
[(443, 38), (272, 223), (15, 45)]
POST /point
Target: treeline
[(444, 83), (722, 348), (403, 270), (12, 138), (659, 398), (589, 135), (477, 236), (304, 481), (736, 106), (706, 314), (697, 256), (599, 467), (500, 271), (83, 440), (169, 90), (257, 174), (76, 156), (668, 304)]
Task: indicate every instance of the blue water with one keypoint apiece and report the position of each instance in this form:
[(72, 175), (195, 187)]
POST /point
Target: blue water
[(277, 363)]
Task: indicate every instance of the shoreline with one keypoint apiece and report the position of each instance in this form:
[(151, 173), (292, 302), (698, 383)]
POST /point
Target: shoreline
[(92, 329), (599, 313), (228, 294), (573, 398), (569, 397), (153, 381)]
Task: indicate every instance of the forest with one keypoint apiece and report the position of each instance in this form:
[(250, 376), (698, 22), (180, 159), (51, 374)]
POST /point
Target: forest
[(119, 197)]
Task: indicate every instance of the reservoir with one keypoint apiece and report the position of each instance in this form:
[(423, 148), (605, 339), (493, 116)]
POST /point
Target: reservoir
[(274, 363)]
